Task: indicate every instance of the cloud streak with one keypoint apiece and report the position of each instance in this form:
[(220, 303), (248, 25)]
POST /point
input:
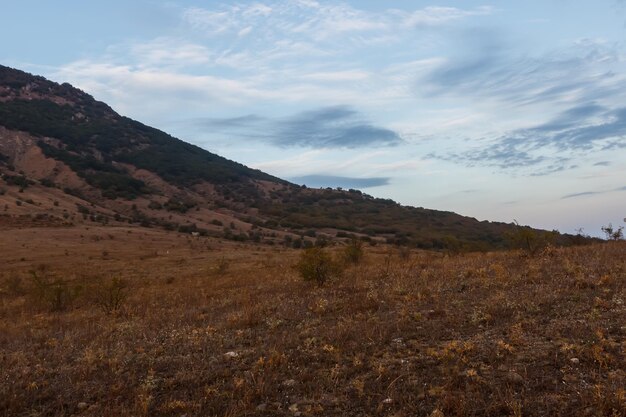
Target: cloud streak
[(580, 72), (588, 193), (551, 147), (583, 194), (323, 181), (332, 127), (323, 128), (317, 21), (581, 128)]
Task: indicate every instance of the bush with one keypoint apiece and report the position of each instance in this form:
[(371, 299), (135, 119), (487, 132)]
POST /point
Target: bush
[(222, 266), (18, 180), (353, 253), (47, 183), (111, 296), (155, 205), (57, 294), (531, 241), (14, 285), (82, 209), (317, 265), (613, 234)]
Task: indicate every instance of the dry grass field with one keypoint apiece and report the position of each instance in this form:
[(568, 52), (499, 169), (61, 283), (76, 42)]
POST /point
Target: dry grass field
[(140, 322)]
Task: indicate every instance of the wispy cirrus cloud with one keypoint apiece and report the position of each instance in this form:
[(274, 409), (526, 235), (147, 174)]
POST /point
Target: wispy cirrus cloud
[(128, 87), (317, 21), (582, 81), (280, 52), (285, 53), (602, 164), (552, 146), (590, 193), (582, 71), (582, 194), (165, 52), (436, 16)]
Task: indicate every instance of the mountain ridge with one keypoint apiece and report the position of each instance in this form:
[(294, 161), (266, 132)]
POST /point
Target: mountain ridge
[(60, 138)]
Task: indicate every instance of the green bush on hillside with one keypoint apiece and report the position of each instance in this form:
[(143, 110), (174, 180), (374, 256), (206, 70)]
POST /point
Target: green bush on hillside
[(316, 264)]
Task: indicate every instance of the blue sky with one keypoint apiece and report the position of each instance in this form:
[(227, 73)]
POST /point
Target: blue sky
[(504, 110)]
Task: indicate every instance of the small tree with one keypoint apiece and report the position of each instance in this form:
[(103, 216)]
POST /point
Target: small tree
[(317, 265), (613, 234)]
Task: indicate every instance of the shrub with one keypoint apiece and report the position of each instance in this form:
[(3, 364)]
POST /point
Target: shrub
[(46, 182), (613, 234), (82, 209), (111, 296), (531, 241), (321, 241), (317, 265), (57, 294), (178, 205), (353, 253), (18, 180), (222, 266), (14, 285), (155, 205)]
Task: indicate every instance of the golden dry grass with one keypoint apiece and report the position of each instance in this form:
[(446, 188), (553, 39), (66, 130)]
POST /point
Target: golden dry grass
[(213, 328)]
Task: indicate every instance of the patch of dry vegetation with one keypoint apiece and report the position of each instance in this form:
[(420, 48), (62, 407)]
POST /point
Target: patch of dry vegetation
[(164, 325)]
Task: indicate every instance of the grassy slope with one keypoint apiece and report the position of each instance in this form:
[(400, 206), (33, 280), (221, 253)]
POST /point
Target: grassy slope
[(493, 334)]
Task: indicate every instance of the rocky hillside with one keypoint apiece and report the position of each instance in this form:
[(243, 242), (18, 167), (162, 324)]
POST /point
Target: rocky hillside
[(66, 158)]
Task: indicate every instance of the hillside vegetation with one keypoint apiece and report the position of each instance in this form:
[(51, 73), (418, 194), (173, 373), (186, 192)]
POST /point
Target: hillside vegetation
[(130, 172)]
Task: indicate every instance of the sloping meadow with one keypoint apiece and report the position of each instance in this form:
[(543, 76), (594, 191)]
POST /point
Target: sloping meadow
[(206, 329)]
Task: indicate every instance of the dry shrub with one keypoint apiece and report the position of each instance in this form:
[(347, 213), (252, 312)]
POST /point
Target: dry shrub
[(14, 285), (55, 293), (111, 296), (317, 265), (222, 266), (353, 253)]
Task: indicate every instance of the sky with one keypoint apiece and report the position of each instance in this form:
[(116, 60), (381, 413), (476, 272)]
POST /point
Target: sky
[(502, 110)]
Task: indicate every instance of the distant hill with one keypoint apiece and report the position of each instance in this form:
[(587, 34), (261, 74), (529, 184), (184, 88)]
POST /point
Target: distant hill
[(69, 158)]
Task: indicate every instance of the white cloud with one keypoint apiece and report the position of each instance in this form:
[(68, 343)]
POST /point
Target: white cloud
[(319, 22), (294, 164), (210, 21), (340, 76), (169, 52), (279, 52), (245, 31), (149, 94), (436, 16)]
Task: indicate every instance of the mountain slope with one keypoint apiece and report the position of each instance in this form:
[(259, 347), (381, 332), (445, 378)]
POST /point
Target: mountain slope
[(60, 142)]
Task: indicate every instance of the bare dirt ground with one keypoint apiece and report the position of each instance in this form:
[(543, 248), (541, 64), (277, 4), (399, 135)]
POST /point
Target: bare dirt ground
[(128, 321)]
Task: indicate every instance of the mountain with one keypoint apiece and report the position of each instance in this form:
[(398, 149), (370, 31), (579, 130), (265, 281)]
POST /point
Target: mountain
[(66, 158)]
